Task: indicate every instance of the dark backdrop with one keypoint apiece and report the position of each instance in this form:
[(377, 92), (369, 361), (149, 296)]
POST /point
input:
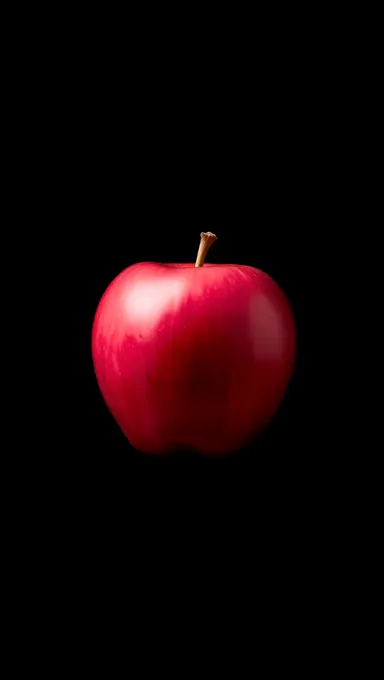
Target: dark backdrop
[(137, 148), (143, 159)]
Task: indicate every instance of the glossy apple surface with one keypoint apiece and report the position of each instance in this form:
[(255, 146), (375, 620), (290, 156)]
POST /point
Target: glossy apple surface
[(193, 357)]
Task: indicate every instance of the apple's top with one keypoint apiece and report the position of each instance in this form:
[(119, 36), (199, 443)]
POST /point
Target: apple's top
[(206, 240)]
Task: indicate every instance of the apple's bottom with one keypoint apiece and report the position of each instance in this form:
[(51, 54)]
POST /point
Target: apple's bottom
[(212, 451), (205, 442)]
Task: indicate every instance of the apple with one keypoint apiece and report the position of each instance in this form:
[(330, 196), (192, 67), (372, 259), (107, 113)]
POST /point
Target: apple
[(193, 356)]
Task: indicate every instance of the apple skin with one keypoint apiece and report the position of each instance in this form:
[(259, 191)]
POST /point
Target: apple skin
[(193, 358)]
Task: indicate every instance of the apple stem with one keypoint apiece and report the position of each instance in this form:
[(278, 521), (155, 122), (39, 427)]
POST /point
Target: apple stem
[(207, 238)]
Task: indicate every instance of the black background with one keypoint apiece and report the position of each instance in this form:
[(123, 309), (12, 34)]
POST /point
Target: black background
[(261, 201), (244, 157), (133, 146), (130, 136), (143, 157)]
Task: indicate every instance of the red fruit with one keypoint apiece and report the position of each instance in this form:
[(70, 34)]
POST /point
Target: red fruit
[(193, 357)]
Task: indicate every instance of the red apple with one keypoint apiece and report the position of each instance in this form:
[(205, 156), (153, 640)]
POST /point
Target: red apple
[(193, 356)]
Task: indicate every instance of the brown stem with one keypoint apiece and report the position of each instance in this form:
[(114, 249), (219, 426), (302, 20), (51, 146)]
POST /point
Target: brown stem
[(207, 238)]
